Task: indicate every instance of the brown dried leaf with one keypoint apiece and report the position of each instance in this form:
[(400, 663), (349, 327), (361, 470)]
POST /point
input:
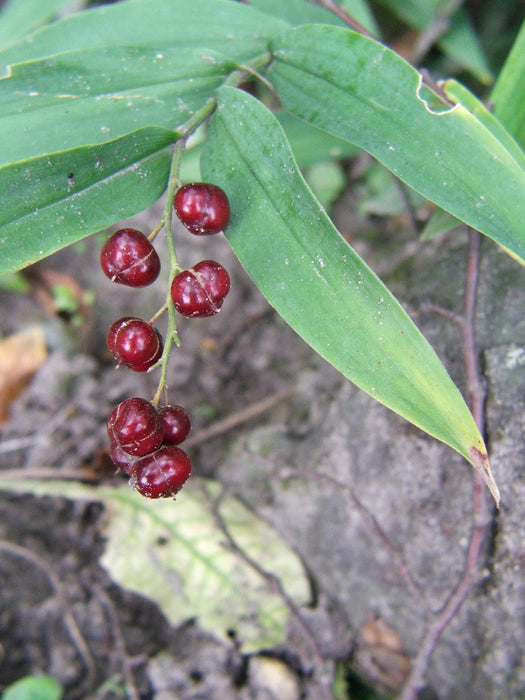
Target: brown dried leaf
[(375, 632), (21, 354), (380, 656)]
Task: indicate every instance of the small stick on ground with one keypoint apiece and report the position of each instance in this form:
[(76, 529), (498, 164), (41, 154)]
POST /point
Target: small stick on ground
[(235, 419)]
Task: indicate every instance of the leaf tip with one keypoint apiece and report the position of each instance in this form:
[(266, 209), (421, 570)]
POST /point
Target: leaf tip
[(480, 462)]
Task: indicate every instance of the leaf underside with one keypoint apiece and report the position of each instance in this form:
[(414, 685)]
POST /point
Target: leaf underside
[(177, 554)]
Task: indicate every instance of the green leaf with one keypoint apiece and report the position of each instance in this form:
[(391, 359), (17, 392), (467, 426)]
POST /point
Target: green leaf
[(234, 29), (360, 11), (296, 12), (508, 95), (319, 285), (363, 92), (176, 554), (458, 94), (21, 16), (34, 688), (94, 95), (416, 13), (311, 145), (51, 201), (460, 43), (440, 222), (327, 181)]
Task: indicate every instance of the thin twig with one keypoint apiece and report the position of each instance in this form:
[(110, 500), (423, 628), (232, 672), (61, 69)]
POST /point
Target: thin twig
[(432, 33), (333, 7), (42, 435), (472, 573), (238, 418), (49, 473)]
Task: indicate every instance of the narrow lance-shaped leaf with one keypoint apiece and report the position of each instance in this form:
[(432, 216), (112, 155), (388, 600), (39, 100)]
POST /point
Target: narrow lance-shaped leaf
[(95, 95), (319, 285), (508, 95), (51, 201), (21, 16), (235, 29), (359, 90)]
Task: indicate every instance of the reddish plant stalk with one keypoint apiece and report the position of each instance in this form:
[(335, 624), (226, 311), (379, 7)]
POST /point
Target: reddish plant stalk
[(472, 573)]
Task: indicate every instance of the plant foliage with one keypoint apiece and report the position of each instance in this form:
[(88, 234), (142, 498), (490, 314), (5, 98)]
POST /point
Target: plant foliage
[(94, 102)]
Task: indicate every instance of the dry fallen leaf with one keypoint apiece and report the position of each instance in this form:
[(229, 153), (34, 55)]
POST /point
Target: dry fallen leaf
[(380, 656), (21, 354)]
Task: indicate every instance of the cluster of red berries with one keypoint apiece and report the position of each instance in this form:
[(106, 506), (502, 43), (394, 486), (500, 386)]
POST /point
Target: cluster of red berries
[(144, 445), (143, 440)]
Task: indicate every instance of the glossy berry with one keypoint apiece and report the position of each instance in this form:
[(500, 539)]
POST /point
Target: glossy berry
[(163, 473), (203, 208), (199, 292), (135, 426), (135, 343), (176, 423), (122, 459), (128, 257)]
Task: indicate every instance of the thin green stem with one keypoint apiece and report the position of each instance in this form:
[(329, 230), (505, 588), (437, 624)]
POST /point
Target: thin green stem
[(185, 131), (173, 183)]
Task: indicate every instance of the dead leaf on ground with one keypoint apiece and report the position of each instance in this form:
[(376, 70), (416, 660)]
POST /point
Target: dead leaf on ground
[(21, 354), (380, 656)]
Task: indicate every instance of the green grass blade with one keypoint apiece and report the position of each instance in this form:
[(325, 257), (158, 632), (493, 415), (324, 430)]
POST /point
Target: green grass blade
[(51, 201), (359, 90), (508, 95), (319, 285)]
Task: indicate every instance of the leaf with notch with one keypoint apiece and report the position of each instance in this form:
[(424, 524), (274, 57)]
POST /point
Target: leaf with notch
[(361, 91)]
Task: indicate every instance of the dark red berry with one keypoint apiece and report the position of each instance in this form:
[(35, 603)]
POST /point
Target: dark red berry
[(135, 343), (122, 459), (112, 333), (203, 208), (163, 473), (199, 292), (176, 423), (128, 257), (135, 426)]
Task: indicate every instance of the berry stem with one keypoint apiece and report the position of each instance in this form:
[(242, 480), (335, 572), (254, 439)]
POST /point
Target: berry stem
[(158, 314), (186, 130)]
